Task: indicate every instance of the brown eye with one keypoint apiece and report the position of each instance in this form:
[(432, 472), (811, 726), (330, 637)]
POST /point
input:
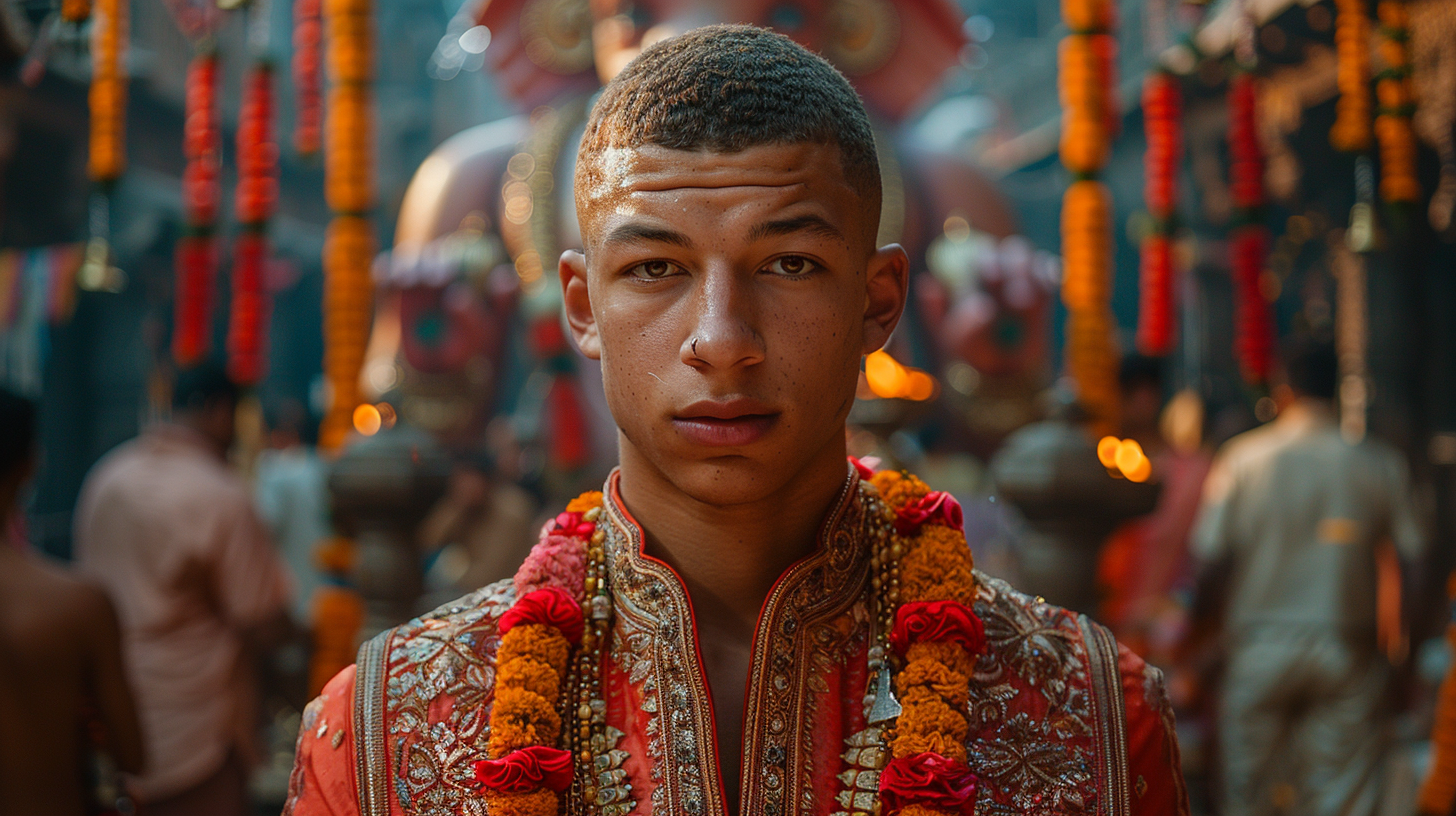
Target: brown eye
[(653, 270), (792, 266)]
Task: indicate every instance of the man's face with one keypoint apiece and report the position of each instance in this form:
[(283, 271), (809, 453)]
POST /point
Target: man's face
[(729, 298)]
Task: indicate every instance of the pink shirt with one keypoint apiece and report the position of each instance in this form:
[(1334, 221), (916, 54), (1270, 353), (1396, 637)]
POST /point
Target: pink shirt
[(172, 535)]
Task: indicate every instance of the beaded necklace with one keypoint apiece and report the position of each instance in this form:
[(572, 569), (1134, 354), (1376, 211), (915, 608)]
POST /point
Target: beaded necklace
[(549, 689)]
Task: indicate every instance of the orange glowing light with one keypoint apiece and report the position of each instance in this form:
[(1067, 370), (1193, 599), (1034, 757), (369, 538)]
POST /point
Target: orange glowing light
[(1107, 451), (1129, 453), (887, 378), (1141, 471), (920, 387), (367, 420)]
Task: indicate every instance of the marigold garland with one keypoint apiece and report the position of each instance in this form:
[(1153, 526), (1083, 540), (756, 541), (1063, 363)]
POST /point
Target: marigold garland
[(927, 772), (1086, 58), (75, 11), (1398, 183), (1162, 109), (107, 98), (308, 31), (196, 252), (256, 201), (1249, 241), (1351, 132), (349, 189)]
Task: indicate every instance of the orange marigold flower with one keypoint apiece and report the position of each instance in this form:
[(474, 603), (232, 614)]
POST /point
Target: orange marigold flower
[(535, 640), (585, 502), (938, 567), (520, 718), (925, 678), (922, 810), (932, 726), (951, 655), (528, 673), (899, 489), (536, 803)]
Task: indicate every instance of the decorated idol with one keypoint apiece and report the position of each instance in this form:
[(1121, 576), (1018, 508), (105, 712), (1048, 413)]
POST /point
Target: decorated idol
[(742, 620)]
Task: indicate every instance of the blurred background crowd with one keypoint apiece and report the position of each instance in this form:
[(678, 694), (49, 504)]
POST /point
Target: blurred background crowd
[(283, 361)]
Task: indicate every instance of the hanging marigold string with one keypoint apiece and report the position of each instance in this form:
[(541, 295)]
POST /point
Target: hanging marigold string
[(256, 201), (1249, 241), (1089, 117), (75, 11), (108, 91), (1162, 124), (1398, 183), (1351, 132), (349, 188), (308, 30), (196, 253)]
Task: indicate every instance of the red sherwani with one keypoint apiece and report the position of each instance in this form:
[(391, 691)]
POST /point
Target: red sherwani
[(1063, 720)]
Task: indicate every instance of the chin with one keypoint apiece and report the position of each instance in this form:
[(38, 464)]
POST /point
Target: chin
[(725, 481)]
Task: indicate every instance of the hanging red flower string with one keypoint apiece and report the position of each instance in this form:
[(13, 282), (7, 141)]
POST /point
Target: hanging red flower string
[(1162, 109), (196, 253), (1249, 241), (349, 187), (257, 198), (308, 30)]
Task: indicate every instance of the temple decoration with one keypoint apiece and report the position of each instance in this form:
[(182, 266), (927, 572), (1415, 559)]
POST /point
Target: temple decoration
[(1249, 241), (1398, 184), (196, 253), (349, 188), (308, 120), (1351, 132), (257, 199), (75, 11), (1162, 109), (108, 91), (1084, 60)]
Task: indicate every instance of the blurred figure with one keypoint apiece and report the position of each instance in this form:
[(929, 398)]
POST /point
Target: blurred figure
[(60, 659), (1146, 564), (171, 532), (483, 517), (1438, 793), (1295, 514), (291, 491)]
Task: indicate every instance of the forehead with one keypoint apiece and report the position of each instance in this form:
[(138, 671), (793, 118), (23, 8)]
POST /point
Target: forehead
[(622, 182)]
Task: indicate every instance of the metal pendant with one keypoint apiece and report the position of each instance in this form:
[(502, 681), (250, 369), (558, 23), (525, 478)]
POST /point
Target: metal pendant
[(885, 707)]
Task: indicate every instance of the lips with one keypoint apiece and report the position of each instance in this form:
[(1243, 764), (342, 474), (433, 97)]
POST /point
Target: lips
[(729, 423)]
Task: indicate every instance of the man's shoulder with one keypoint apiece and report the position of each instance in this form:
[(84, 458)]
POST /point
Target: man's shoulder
[(470, 622)]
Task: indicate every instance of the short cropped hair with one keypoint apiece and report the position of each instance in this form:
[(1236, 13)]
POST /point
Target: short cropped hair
[(199, 387), (17, 441), (726, 88), (1312, 369)]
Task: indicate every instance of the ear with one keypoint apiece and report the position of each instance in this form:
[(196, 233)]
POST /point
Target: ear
[(576, 300), (887, 283)]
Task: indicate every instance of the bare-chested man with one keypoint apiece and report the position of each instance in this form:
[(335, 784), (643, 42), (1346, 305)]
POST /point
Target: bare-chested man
[(60, 655)]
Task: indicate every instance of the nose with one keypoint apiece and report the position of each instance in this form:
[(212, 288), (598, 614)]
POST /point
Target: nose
[(722, 334)]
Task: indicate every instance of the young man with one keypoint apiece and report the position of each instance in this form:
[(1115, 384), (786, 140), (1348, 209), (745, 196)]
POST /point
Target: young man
[(741, 622), (60, 655)]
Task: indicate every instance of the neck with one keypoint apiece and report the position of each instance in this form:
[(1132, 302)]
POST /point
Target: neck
[(729, 556)]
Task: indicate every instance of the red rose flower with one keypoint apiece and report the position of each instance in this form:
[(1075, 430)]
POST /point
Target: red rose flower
[(526, 770), (549, 605), (934, 508), (864, 471), (929, 780), (937, 621), (572, 524)]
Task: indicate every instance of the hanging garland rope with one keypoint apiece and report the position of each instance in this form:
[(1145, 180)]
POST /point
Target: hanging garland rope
[(256, 202), (75, 11), (1398, 184), (107, 158), (308, 29), (196, 253), (1351, 132), (1162, 110), (1088, 116), (349, 187), (1249, 241)]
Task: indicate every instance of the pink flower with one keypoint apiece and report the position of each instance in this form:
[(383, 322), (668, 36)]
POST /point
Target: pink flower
[(550, 606), (526, 770), (929, 780), (572, 524), (864, 471), (937, 621), (557, 561), (934, 508)]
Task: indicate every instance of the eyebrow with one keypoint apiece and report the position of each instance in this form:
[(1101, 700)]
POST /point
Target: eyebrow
[(789, 226), (636, 232)]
